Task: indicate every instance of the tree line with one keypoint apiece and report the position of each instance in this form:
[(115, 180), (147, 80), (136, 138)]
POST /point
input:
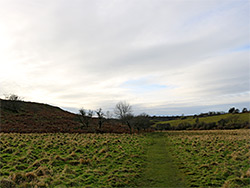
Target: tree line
[(122, 111), (123, 114)]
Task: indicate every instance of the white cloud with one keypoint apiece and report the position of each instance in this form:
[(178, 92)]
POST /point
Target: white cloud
[(80, 53)]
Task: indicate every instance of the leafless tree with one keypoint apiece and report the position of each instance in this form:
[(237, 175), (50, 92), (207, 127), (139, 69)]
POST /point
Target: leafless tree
[(14, 102), (100, 116), (85, 116), (12, 97), (123, 111), (90, 113)]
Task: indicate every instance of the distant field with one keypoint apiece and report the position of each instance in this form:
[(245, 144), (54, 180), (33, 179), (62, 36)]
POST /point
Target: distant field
[(216, 158), (241, 118), (66, 160)]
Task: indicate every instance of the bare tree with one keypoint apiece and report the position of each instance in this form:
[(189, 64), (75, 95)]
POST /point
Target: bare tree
[(123, 111), (14, 102), (231, 110), (244, 110), (90, 113), (101, 117), (12, 97), (85, 116)]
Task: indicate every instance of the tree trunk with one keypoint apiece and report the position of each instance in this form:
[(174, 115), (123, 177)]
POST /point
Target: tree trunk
[(130, 128)]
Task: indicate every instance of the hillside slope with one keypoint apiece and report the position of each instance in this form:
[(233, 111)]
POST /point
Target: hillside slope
[(20, 116), (31, 117), (222, 121)]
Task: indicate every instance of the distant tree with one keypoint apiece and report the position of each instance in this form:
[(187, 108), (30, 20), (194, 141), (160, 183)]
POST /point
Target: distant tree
[(90, 113), (211, 113), (15, 102), (244, 110), (141, 121), (237, 111), (123, 111), (85, 117), (231, 110), (12, 97), (101, 117)]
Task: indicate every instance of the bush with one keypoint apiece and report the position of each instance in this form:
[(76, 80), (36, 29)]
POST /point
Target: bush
[(163, 126), (183, 126)]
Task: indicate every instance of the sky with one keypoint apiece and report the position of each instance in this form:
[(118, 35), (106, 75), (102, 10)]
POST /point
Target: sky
[(163, 57)]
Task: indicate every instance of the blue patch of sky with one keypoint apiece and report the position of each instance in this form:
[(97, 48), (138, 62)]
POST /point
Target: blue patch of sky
[(70, 109), (218, 10), (241, 48), (236, 49), (143, 85)]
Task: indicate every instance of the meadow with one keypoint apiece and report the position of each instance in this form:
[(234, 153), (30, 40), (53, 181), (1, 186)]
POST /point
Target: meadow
[(204, 158), (68, 160), (241, 118), (216, 158)]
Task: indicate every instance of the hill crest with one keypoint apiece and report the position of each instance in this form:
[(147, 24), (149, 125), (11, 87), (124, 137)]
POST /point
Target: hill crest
[(22, 116), (32, 117)]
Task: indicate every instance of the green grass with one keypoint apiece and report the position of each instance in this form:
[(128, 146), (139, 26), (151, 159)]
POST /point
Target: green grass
[(160, 170), (218, 158), (68, 160), (242, 118)]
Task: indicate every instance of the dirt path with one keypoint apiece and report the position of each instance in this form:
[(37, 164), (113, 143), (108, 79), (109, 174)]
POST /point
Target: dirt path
[(160, 170)]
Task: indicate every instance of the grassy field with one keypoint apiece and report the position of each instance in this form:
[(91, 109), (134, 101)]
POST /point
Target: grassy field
[(219, 158), (239, 118), (216, 158), (66, 160)]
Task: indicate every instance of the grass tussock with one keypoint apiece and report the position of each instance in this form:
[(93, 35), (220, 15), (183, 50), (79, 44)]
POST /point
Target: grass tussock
[(66, 160), (7, 183), (218, 158)]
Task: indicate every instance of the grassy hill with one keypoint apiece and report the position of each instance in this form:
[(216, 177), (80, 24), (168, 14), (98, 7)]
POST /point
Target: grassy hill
[(238, 118), (243, 117), (31, 117)]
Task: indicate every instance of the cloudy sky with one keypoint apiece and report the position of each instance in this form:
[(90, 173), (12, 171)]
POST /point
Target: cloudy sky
[(162, 56)]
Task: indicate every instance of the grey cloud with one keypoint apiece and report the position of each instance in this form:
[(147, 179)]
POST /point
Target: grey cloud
[(84, 50), (225, 75)]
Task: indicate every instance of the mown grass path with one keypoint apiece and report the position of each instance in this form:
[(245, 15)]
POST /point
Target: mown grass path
[(160, 170)]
